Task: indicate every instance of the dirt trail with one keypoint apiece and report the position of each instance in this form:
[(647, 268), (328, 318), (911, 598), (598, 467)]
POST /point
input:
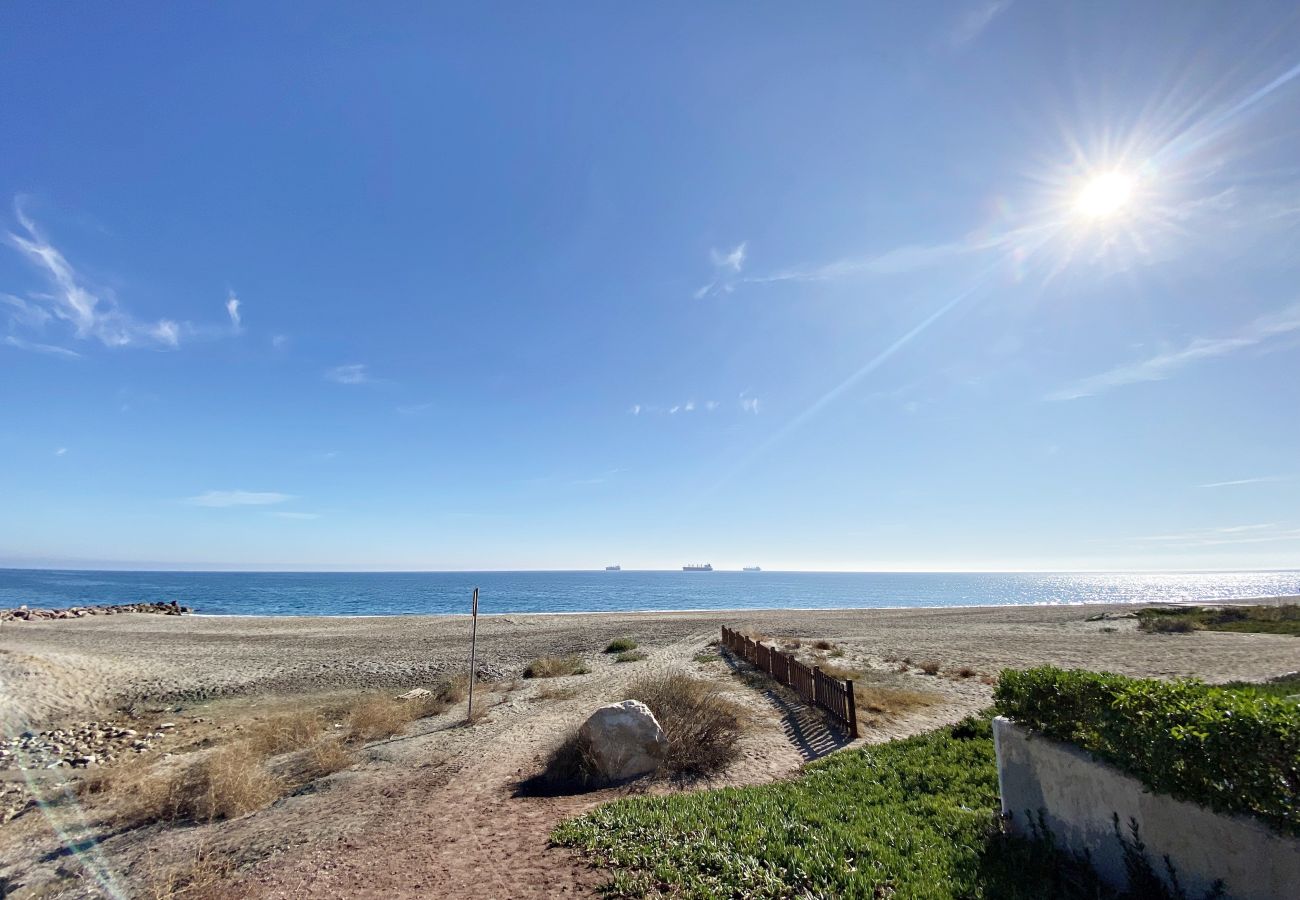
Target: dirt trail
[(471, 837)]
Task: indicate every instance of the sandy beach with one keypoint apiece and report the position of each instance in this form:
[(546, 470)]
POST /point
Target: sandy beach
[(68, 668), (435, 810)]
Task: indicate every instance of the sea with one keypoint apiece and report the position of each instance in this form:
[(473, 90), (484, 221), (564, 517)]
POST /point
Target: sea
[(448, 593)]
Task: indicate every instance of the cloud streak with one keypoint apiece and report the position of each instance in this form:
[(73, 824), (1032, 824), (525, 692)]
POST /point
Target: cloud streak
[(90, 312), (1267, 533), (1165, 365), (36, 347), (351, 373), (226, 499), (689, 406), (726, 269), (1265, 479), (972, 23)]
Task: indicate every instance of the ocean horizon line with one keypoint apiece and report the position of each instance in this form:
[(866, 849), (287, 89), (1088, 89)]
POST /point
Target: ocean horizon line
[(630, 570)]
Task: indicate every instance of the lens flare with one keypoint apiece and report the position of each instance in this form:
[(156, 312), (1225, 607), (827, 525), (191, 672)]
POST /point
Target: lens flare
[(1105, 195)]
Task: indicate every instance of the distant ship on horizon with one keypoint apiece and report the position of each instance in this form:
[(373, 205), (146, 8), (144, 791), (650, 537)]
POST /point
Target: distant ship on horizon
[(613, 568), (698, 567), (751, 569)]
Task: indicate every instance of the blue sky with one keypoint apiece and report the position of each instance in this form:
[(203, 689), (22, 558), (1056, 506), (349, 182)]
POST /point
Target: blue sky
[(975, 285)]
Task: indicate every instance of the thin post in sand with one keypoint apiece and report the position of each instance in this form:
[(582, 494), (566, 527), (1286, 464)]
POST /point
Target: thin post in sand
[(473, 646)]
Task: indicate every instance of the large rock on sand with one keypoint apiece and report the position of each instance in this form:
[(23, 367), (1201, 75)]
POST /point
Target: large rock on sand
[(624, 740)]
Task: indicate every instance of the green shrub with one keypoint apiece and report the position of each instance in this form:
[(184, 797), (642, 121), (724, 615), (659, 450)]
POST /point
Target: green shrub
[(630, 656), (1282, 619), (1235, 751), (620, 645)]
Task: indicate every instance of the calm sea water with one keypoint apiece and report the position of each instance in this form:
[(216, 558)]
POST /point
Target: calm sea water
[(382, 593)]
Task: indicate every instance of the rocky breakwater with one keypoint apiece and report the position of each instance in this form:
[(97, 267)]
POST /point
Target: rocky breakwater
[(25, 614)]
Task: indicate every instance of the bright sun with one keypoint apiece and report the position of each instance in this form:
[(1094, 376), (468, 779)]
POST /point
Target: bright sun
[(1104, 195)]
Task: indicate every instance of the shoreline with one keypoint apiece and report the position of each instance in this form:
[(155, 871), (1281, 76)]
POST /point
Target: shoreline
[(1266, 600)]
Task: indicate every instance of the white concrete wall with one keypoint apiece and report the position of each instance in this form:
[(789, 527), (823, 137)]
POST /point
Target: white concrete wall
[(1078, 795)]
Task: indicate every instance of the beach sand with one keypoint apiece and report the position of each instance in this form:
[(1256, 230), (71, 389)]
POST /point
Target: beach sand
[(435, 811)]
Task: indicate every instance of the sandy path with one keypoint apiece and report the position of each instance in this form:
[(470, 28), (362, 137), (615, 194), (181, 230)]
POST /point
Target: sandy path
[(472, 835)]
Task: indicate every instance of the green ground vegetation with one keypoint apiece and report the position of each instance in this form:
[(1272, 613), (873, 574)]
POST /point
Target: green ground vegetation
[(915, 818), (1186, 619)]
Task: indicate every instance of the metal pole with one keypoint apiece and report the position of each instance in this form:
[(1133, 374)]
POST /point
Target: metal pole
[(473, 646)]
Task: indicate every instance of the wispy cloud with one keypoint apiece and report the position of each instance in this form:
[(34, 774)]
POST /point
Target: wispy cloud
[(733, 259), (895, 261), (748, 403), (1264, 479), (972, 22), (285, 514), (232, 310), (61, 451), (351, 373), (1263, 533), (92, 313), (224, 499), (40, 348), (688, 406), (1165, 365), (726, 269)]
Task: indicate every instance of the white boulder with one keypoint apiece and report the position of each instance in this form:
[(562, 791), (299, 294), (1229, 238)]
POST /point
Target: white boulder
[(624, 740)]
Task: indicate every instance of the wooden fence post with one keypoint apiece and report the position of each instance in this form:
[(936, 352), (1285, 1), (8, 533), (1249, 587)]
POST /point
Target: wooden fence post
[(853, 708)]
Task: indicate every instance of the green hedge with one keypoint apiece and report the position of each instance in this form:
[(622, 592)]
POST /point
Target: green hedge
[(1233, 750)]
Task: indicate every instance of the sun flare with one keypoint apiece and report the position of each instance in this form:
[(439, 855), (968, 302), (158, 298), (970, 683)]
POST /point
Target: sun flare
[(1104, 196)]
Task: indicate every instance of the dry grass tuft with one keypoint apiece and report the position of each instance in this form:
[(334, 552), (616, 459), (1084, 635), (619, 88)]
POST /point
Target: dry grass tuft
[(702, 724), (203, 876), (823, 645), (555, 667), (930, 667), (556, 693), (620, 645), (569, 769), (966, 672), (282, 733), (630, 656), (876, 699), (792, 644), (325, 757), (226, 783), (453, 690), (375, 717), (879, 700)]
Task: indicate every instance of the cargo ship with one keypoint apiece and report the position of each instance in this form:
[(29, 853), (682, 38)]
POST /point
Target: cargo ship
[(613, 568), (751, 569), (698, 567)]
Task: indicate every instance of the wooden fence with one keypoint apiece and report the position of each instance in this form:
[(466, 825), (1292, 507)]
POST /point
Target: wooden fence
[(809, 682)]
